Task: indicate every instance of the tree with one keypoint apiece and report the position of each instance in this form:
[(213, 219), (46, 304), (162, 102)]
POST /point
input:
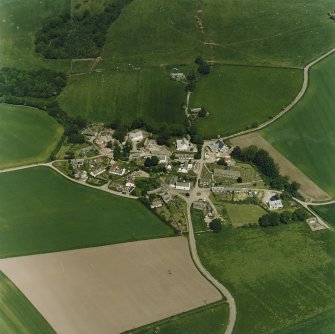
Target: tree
[(222, 162), (197, 139), (215, 225), (190, 87), (237, 153), (117, 152), (109, 144), (191, 76), (76, 138), (285, 217), (269, 219), (239, 179), (120, 134), (202, 112), (249, 153), (264, 220), (204, 69), (299, 215), (199, 60)]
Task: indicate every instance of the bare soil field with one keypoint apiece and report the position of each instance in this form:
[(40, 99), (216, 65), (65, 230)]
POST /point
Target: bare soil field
[(113, 288), (308, 188)]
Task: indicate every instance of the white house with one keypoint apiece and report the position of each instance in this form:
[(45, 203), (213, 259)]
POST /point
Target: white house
[(183, 186), (185, 167), (130, 182), (275, 204), (136, 135), (97, 172), (185, 145), (177, 76)]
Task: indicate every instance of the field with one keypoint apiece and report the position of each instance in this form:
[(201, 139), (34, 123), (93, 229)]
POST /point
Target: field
[(289, 33), (27, 135), (211, 319), (308, 189), (112, 288), (126, 95), (43, 212), (243, 214), (238, 97), (305, 135), (327, 212), (17, 314), (282, 278)]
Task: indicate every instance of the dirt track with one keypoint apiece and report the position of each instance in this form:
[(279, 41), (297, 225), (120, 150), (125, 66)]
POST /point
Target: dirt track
[(113, 288), (308, 188)]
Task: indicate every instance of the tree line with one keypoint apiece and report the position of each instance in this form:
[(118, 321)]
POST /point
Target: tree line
[(79, 36), (285, 217)]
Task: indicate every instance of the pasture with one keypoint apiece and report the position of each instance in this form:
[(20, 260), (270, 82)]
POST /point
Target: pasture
[(41, 212), (243, 214), (238, 97), (126, 95), (113, 288), (289, 33), (17, 314), (305, 135), (27, 135), (282, 278), (327, 212)]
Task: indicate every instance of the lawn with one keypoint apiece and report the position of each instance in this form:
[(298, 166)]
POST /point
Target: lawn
[(27, 135), (282, 278), (210, 319), (17, 314), (43, 212), (198, 220), (238, 97), (327, 212), (126, 95), (244, 214), (19, 21), (305, 135), (288, 33)]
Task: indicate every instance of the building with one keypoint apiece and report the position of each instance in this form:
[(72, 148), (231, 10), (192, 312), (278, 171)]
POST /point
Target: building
[(184, 156), (232, 190), (97, 171), (82, 175), (205, 183), (183, 186), (136, 135), (86, 150), (115, 169), (227, 173), (77, 163), (185, 167), (88, 132), (195, 110), (135, 155), (156, 204), (130, 182), (275, 204), (178, 76), (218, 146), (182, 144), (162, 158), (166, 197)]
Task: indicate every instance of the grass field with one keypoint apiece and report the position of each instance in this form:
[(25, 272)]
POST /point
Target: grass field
[(243, 214), (283, 279), (306, 134), (146, 93), (239, 96), (27, 135), (43, 212), (17, 314), (211, 319), (327, 212), (245, 32)]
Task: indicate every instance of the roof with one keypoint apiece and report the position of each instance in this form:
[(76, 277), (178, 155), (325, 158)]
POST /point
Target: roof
[(183, 184), (135, 134)]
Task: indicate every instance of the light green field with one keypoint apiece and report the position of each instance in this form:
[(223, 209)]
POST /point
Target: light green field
[(43, 212), (244, 32), (146, 93), (19, 20), (17, 314), (306, 134), (243, 214), (27, 135), (282, 278), (239, 96), (211, 319)]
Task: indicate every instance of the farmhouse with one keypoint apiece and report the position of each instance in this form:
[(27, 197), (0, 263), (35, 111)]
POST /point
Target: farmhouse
[(195, 110), (177, 76), (136, 135), (227, 173), (183, 186), (275, 204), (130, 182), (185, 145), (218, 146)]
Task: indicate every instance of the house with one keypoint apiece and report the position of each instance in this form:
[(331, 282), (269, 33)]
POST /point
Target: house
[(162, 158), (218, 146), (183, 186), (156, 204), (166, 197), (115, 169), (88, 132), (227, 173), (136, 135), (135, 155), (130, 182), (97, 171), (82, 175), (195, 110), (275, 204), (77, 163), (177, 76), (185, 167), (183, 144)]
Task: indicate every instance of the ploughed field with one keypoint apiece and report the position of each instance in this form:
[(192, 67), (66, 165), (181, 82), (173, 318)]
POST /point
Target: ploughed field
[(27, 135), (41, 211)]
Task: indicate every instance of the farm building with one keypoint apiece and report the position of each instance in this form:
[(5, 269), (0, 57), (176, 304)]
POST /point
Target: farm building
[(81, 175), (136, 135), (230, 190), (275, 204), (227, 173), (183, 186), (130, 182), (177, 76), (88, 132), (185, 145)]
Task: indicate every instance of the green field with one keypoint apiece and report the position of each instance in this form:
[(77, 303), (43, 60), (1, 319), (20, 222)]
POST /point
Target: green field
[(198, 220), (306, 134), (243, 214), (211, 319), (327, 212), (289, 33), (17, 314), (43, 212), (27, 135), (126, 94), (282, 278), (239, 96)]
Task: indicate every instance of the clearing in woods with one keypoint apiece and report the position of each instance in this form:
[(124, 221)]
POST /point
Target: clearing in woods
[(76, 290)]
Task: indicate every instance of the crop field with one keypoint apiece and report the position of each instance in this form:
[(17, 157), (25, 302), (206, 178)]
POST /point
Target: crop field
[(211, 319), (43, 212), (19, 21), (244, 214), (126, 95), (113, 288), (286, 274), (305, 135), (27, 135), (17, 314), (289, 33), (238, 97)]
